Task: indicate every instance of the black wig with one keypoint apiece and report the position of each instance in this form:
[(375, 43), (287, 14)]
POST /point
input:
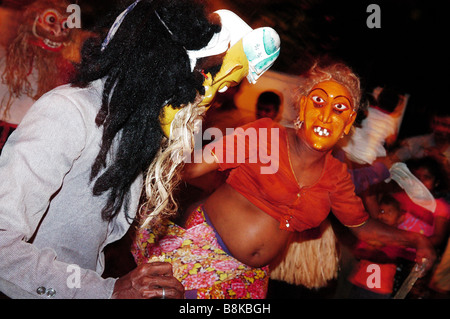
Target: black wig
[(146, 66)]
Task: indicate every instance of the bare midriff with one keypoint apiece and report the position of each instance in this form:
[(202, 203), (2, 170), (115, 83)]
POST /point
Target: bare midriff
[(252, 236)]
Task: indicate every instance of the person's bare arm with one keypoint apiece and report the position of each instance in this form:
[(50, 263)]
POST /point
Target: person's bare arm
[(440, 231), (377, 233), (194, 170)]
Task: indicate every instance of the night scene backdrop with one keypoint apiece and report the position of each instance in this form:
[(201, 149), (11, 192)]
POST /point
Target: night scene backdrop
[(407, 53)]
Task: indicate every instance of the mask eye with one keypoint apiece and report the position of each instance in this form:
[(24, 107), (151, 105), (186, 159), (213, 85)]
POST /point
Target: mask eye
[(50, 17), (339, 107), (64, 25), (318, 101)]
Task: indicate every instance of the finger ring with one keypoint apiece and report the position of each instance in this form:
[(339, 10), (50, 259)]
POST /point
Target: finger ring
[(163, 294)]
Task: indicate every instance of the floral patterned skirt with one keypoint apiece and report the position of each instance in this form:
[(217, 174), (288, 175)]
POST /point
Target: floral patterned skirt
[(201, 264)]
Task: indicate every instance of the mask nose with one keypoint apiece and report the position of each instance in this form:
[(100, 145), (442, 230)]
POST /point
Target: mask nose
[(57, 30), (325, 113)]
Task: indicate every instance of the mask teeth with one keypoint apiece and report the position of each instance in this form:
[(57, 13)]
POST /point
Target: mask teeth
[(52, 44), (321, 132)]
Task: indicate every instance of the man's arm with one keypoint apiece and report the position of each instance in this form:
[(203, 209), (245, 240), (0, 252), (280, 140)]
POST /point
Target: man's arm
[(377, 233)]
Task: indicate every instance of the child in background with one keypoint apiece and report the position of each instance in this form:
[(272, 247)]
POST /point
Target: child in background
[(268, 105), (435, 224), (374, 274), (414, 218)]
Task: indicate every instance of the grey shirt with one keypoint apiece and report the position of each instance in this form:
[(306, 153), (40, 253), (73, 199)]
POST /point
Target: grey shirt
[(52, 235)]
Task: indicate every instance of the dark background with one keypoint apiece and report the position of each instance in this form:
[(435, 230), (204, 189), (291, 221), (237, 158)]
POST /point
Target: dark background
[(408, 53)]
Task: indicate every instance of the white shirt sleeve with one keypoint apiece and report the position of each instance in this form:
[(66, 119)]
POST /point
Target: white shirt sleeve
[(33, 165)]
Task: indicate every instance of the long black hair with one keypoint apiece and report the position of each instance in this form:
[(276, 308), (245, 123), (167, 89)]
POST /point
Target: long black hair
[(146, 66)]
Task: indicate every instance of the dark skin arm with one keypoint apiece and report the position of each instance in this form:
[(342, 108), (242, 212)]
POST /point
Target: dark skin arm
[(377, 233), (147, 281), (440, 231), (194, 170)]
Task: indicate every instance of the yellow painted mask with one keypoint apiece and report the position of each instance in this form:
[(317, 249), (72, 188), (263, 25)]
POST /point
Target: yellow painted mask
[(252, 52)]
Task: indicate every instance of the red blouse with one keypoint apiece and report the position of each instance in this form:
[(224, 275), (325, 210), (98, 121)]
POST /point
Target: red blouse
[(258, 157)]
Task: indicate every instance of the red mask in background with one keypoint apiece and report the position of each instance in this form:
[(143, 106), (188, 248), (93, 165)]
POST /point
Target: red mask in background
[(37, 50), (50, 30)]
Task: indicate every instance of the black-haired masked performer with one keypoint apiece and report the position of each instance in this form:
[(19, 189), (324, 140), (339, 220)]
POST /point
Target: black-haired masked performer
[(72, 172)]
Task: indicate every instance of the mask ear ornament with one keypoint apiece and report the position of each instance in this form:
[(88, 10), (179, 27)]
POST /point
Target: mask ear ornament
[(298, 123)]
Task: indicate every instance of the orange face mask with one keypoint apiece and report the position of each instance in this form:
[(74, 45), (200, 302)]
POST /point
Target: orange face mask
[(327, 114)]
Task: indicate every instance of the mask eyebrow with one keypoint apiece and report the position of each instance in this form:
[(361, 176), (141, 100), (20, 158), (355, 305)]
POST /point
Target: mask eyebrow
[(226, 74), (318, 89), (343, 96)]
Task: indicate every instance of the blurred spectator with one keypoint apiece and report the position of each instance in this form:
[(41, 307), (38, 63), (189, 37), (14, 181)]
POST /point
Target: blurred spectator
[(436, 143), (33, 62), (415, 218), (374, 274), (225, 114), (379, 127), (433, 224), (268, 105)]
